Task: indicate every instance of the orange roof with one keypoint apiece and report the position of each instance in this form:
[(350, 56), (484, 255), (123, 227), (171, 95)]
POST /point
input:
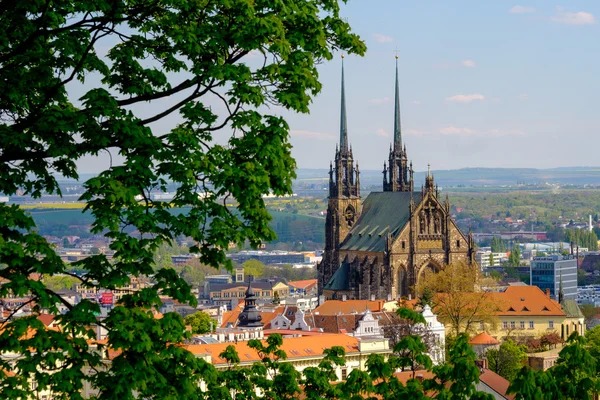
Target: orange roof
[(46, 319), (483, 338), (267, 316), (307, 283), (297, 347), (333, 307), (526, 300)]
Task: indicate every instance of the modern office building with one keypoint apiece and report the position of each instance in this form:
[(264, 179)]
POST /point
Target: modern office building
[(548, 273)]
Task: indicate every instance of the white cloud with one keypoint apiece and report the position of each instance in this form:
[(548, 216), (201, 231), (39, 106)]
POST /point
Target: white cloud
[(523, 96), (379, 101), (379, 38), (573, 18), (382, 132), (311, 135), (465, 98), (452, 130), (468, 63), (521, 10)]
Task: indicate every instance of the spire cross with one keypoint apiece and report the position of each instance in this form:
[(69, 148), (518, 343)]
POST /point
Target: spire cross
[(428, 169)]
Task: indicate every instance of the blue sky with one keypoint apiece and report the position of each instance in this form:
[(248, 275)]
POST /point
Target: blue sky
[(486, 83), (482, 84)]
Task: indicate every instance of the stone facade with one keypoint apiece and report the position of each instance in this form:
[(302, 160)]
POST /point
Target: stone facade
[(380, 248)]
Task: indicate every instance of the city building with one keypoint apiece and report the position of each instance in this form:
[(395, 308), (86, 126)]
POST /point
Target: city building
[(382, 246), (307, 287), (483, 259), (555, 272), (527, 311)]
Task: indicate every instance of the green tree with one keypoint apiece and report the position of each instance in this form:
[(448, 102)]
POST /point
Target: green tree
[(514, 259), (508, 359), (491, 259), (177, 93), (426, 297), (458, 377), (200, 322), (254, 267), (59, 282), (581, 277), (498, 245)]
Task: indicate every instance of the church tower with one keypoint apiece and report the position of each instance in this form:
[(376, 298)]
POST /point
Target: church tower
[(344, 205), (398, 177)]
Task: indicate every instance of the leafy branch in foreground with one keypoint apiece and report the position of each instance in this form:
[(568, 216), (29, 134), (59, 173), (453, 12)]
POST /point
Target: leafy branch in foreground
[(174, 91)]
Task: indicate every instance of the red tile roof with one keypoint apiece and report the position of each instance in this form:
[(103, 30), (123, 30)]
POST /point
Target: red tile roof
[(526, 301), (306, 284), (483, 338), (334, 307), (296, 347)]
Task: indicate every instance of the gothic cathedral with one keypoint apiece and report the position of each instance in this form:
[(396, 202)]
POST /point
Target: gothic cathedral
[(381, 247)]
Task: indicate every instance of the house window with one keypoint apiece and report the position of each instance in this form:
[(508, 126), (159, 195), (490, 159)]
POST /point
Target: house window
[(504, 325), (344, 373), (512, 325), (550, 324), (522, 324), (531, 325)]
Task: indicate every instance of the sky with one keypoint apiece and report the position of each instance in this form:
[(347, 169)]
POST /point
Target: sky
[(482, 84)]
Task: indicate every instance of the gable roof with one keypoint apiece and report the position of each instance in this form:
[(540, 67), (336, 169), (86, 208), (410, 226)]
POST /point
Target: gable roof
[(382, 213)]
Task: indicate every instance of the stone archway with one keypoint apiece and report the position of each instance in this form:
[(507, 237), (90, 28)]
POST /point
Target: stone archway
[(430, 266)]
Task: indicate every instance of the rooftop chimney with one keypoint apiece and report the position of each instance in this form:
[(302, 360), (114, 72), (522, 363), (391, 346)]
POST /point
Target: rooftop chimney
[(344, 297)]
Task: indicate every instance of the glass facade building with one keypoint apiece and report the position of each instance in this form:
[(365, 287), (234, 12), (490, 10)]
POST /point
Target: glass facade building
[(547, 272)]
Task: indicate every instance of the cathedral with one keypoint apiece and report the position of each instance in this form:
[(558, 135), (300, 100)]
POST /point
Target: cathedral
[(381, 247)]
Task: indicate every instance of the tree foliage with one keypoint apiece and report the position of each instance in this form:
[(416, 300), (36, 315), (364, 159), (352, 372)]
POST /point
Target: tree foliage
[(173, 92), (254, 267), (200, 322), (459, 301), (508, 359)]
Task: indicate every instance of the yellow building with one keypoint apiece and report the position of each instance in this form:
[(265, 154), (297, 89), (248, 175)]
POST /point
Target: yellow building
[(528, 312), (263, 289)]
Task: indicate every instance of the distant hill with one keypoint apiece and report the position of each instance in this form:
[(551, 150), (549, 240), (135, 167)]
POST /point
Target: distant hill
[(480, 176)]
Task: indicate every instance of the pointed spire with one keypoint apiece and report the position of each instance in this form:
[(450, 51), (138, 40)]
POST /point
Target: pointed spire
[(397, 132), (343, 124)]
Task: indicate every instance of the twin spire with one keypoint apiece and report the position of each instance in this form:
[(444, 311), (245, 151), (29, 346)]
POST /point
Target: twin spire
[(344, 123)]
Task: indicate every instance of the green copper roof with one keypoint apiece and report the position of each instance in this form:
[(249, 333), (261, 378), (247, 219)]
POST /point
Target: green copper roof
[(571, 308), (340, 279), (382, 212)]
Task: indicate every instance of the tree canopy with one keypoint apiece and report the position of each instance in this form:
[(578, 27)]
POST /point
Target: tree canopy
[(169, 92), (200, 322)]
